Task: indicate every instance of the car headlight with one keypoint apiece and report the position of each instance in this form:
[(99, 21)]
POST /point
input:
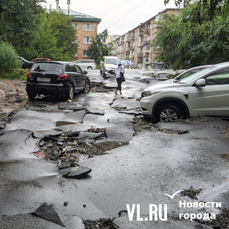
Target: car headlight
[(149, 93)]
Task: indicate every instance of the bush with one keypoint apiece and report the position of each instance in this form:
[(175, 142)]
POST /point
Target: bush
[(8, 57), (14, 74)]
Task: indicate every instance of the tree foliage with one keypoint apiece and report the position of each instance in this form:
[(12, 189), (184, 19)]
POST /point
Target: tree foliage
[(55, 38), (182, 42), (19, 21), (99, 48), (8, 57), (213, 7)]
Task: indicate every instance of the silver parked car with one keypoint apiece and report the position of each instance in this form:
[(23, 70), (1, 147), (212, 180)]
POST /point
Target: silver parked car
[(86, 64), (205, 92)]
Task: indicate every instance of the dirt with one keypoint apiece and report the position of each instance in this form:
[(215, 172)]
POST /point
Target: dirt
[(191, 193), (12, 96)]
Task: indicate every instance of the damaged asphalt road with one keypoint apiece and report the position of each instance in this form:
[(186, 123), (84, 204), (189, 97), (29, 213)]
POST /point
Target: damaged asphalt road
[(86, 160)]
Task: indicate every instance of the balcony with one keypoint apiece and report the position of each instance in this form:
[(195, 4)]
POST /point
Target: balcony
[(141, 31), (140, 43), (127, 38), (147, 61), (121, 42), (146, 53)]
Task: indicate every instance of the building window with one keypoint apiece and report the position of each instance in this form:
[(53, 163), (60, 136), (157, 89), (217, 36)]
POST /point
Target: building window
[(74, 25), (87, 40), (85, 53), (88, 27)]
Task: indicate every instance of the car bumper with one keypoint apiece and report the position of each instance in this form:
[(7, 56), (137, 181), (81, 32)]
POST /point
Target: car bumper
[(47, 89), (146, 106), (110, 72)]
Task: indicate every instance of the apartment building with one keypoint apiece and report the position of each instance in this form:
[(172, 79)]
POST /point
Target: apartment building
[(86, 27), (135, 45)]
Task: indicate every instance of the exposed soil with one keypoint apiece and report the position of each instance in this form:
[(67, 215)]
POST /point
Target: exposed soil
[(12, 94)]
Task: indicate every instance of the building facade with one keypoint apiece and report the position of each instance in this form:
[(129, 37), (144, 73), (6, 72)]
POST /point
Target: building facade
[(86, 28), (136, 46)]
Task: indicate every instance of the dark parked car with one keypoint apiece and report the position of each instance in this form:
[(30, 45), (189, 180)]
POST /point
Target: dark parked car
[(56, 79), (25, 63), (41, 60)]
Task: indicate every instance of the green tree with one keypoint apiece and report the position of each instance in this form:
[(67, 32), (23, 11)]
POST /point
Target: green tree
[(19, 21), (55, 38), (99, 48), (183, 43), (213, 7), (8, 57)]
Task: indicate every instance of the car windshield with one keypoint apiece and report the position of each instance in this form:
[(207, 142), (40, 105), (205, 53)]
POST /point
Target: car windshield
[(112, 60), (196, 75), (47, 67)]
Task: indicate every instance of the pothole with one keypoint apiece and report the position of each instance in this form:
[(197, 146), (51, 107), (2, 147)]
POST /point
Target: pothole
[(66, 149)]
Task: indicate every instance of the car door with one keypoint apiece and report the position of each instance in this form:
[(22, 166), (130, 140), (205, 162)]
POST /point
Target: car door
[(72, 74), (213, 98), (80, 78)]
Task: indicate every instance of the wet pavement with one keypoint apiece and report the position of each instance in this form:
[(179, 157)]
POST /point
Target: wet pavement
[(80, 163)]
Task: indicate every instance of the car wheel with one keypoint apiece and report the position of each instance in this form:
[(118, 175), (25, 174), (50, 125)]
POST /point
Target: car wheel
[(31, 95), (168, 113), (104, 75), (89, 68), (87, 87), (70, 93)]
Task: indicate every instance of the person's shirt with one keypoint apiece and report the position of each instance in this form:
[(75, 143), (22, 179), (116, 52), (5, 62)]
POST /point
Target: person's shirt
[(118, 70)]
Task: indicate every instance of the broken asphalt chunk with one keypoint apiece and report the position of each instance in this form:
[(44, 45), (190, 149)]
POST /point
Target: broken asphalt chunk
[(2, 125), (75, 172), (65, 164), (73, 134), (70, 106), (95, 111), (47, 212)]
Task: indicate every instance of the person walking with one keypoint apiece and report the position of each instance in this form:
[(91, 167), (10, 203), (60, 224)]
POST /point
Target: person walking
[(118, 71)]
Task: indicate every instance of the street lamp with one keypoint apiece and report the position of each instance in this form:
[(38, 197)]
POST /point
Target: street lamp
[(68, 2), (57, 5)]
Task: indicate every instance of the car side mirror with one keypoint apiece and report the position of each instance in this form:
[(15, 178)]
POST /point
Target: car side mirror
[(85, 72), (200, 83)]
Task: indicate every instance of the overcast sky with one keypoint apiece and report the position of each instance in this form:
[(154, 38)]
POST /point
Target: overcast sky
[(117, 16)]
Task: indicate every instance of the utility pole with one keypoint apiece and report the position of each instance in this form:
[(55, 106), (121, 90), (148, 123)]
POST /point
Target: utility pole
[(57, 5), (68, 2)]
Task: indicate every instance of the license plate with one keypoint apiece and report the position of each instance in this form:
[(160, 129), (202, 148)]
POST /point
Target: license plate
[(42, 79)]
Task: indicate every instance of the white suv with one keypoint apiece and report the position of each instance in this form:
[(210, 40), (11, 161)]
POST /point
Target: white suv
[(108, 65), (205, 92), (86, 64)]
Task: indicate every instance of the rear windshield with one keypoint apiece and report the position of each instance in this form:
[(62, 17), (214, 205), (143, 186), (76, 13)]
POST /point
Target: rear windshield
[(47, 67)]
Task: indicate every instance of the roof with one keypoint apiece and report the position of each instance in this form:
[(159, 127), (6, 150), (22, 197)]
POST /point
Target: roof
[(77, 16)]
